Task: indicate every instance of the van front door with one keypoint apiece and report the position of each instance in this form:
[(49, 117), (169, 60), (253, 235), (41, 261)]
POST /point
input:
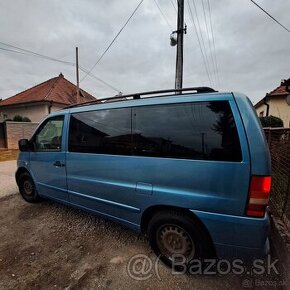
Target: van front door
[(47, 159)]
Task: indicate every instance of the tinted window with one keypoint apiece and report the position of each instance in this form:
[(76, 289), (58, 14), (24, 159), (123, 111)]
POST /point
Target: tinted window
[(104, 131), (203, 130), (48, 137)]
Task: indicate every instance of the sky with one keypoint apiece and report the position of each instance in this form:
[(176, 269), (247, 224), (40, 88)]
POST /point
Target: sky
[(245, 50)]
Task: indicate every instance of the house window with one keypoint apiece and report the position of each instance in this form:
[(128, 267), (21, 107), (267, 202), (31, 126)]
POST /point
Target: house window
[(261, 114)]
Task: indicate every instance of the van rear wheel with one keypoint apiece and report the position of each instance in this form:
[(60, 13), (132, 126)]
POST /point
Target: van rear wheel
[(178, 239), (27, 188)]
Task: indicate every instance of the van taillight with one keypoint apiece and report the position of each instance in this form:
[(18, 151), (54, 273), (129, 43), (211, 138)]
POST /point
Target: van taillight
[(258, 196)]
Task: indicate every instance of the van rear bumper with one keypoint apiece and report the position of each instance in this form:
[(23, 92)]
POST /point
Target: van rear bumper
[(237, 236)]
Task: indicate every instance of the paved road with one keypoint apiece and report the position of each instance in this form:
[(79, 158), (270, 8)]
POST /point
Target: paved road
[(7, 180)]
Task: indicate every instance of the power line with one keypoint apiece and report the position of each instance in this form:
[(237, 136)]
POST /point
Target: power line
[(173, 5), (273, 18), (28, 52), (208, 38), (199, 42), (163, 15), (11, 50), (111, 43), (98, 79), (201, 35), (213, 41)]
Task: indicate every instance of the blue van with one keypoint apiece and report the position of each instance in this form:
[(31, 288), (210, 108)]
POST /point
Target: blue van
[(190, 168)]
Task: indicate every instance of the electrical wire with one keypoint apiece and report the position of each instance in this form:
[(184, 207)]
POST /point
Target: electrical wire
[(11, 50), (208, 37), (113, 40), (163, 15), (273, 18), (201, 35), (28, 52), (199, 42), (98, 79), (173, 5), (213, 41), (37, 54)]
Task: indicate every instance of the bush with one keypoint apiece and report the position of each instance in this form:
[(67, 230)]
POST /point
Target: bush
[(271, 121), (18, 118), (26, 119)]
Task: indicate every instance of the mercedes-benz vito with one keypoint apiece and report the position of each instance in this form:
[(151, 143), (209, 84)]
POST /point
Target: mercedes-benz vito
[(191, 168)]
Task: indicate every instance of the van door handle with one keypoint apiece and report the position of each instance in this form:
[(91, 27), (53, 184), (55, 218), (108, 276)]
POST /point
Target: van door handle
[(58, 164)]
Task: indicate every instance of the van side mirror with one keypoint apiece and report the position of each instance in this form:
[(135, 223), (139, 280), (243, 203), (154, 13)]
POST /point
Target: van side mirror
[(24, 145)]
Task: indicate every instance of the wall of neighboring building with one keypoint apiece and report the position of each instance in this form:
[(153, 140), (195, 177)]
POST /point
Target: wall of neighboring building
[(56, 107), (278, 108), (261, 110), (18, 130), (35, 112)]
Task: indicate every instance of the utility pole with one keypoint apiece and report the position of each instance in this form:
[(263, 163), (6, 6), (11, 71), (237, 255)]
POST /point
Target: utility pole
[(77, 74), (179, 52)]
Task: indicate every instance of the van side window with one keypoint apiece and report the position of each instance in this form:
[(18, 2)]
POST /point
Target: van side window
[(103, 131), (48, 137), (201, 130)]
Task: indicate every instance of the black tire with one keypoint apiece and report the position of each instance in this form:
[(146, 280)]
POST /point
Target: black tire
[(172, 232), (27, 188)]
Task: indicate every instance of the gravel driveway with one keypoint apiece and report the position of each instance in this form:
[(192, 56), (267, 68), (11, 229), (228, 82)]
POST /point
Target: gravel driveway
[(50, 246)]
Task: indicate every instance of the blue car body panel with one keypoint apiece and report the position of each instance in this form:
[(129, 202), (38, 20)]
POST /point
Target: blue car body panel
[(122, 188), (259, 151), (50, 180)]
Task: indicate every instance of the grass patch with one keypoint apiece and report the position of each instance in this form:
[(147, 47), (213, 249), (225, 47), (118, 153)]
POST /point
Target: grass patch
[(6, 155)]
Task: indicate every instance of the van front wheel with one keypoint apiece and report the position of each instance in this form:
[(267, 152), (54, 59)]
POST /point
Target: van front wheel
[(177, 239), (27, 188)]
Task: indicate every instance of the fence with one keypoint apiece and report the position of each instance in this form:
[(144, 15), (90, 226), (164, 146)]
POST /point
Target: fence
[(279, 145), (16, 131)]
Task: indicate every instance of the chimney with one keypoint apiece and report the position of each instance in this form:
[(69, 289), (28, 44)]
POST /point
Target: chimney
[(61, 75)]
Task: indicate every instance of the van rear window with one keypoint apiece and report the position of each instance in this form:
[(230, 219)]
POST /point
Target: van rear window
[(200, 130)]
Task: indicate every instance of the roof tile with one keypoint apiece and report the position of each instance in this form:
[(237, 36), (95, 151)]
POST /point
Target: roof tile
[(283, 89), (58, 90)]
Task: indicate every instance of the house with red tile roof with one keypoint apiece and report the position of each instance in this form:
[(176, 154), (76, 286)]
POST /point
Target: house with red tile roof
[(42, 99), (276, 103)]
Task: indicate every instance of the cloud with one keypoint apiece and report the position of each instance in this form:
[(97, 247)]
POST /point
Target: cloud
[(252, 51)]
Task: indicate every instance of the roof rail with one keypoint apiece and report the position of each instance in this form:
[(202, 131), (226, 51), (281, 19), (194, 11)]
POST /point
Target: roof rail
[(138, 95)]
